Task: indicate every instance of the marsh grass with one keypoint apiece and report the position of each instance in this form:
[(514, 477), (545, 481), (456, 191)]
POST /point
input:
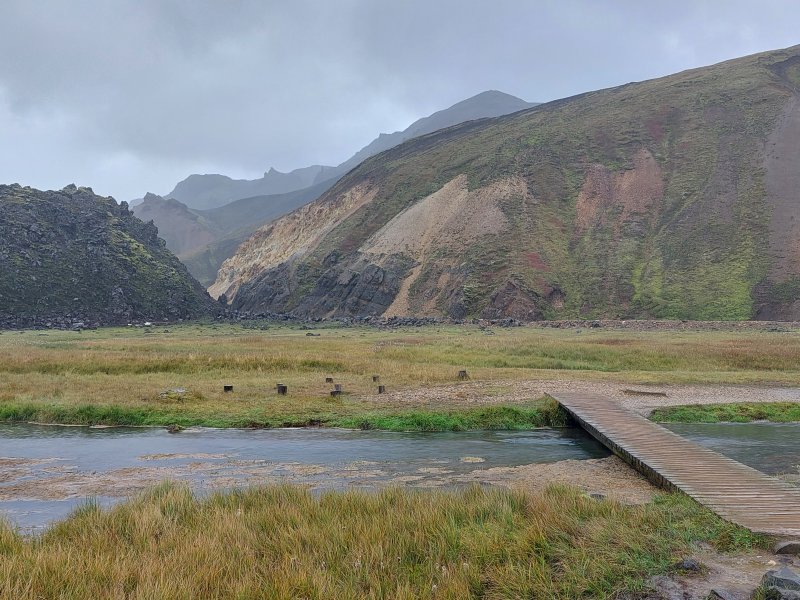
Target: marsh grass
[(283, 542), (742, 412), (117, 376), (520, 417)]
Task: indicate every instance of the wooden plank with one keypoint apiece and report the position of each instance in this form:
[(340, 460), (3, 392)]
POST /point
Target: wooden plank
[(736, 492)]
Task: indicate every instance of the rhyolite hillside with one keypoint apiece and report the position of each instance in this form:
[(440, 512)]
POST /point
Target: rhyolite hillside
[(206, 217), (71, 256), (671, 198), (204, 239)]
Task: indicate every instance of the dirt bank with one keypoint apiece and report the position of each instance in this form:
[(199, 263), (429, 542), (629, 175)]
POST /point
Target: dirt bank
[(510, 392)]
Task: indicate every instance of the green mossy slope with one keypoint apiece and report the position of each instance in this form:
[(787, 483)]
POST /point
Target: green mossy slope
[(72, 256), (645, 200)]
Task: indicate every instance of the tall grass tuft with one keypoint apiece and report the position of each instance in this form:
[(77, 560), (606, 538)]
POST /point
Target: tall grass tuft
[(283, 542)]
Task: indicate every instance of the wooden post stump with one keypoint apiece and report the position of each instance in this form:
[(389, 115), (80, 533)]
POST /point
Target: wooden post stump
[(282, 389), (227, 388), (329, 380), (336, 393), (337, 387), (381, 389), (463, 375), (376, 378)]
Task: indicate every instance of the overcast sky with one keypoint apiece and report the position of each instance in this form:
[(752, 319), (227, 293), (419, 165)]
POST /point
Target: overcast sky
[(129, 96)]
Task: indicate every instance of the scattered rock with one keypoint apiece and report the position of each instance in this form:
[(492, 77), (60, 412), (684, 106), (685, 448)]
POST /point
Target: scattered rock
[(790, 547), (174, 428), (783, 584), (472, 459), (721, 594), (174, 391), (175, 395), (688, 565), (597, 496)]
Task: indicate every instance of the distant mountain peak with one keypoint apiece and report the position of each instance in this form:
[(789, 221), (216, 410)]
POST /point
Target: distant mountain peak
[(212, 190), (218, 208)]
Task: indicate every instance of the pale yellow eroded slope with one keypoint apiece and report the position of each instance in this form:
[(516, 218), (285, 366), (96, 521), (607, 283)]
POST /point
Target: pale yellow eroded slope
[(290, 236)]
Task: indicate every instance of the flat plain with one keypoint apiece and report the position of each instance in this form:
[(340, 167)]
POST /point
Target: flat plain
[(175, 374), (537, 539)]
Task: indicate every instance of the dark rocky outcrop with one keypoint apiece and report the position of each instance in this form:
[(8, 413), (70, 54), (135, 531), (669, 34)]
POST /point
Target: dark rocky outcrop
[(71, 256)]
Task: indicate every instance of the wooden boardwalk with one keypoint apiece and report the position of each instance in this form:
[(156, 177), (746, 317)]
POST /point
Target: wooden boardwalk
[(734, 491)]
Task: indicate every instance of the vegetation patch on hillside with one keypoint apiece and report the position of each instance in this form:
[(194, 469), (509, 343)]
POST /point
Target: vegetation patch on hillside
[(284, 542)]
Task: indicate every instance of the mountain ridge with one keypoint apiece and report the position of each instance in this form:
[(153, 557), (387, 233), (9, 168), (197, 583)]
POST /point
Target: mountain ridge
[(209, 191), (203, 239), (652, 199)]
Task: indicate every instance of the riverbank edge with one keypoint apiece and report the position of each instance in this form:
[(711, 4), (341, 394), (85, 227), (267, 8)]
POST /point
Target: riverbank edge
[(734, 412), (543, 412), (537, 414)]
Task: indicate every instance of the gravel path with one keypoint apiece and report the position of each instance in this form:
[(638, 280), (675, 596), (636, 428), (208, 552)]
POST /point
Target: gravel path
[(510, 392)]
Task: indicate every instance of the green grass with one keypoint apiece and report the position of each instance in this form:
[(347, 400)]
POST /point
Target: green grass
[(284, 542), (538, 414), (743, 412), (545, 414)]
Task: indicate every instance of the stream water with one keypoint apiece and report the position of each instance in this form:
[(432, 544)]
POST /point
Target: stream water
[(46, 471), (772, 448)]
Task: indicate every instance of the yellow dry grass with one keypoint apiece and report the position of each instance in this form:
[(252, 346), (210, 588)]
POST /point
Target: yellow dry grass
[(130, 368), (283, 543)]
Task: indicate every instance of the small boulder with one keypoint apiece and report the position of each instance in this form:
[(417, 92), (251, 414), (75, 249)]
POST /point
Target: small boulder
[(688, 565), (721, 594), (790, 547), (783, 584)]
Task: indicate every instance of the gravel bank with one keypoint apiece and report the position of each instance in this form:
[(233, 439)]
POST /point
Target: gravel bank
[(511, 392)]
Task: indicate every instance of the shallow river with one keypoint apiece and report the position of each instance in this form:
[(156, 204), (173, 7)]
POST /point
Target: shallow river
[(45, 471), (772, 448)]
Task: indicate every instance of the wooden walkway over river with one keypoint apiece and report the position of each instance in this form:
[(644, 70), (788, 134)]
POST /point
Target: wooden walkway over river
[(734, 491)]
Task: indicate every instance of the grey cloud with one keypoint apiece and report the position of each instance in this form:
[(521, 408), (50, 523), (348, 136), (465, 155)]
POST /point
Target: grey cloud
[(132, 95)]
